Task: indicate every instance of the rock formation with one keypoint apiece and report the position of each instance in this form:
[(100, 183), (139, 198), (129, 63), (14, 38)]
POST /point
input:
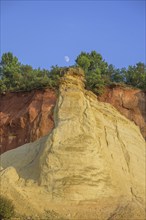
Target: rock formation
[(129, 102), (91, 166), (25, 117)]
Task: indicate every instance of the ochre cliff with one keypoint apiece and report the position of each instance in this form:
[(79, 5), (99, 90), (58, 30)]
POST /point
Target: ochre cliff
[(91, 165), (129, 102), (25, 117)]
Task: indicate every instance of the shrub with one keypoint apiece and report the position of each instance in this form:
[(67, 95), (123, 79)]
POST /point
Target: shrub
[(6, 208)]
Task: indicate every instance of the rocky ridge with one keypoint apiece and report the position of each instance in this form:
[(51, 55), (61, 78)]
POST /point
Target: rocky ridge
[(91, 166)]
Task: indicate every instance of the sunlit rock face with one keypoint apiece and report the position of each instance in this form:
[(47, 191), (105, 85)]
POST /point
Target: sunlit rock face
[(91, 166), (129, 102), (25, 117), (28, 116)]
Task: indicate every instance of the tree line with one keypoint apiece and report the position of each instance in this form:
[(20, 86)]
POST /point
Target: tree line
[(15, 76)]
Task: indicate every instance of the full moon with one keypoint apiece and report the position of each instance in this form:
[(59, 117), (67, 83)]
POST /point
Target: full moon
[(66, 58)]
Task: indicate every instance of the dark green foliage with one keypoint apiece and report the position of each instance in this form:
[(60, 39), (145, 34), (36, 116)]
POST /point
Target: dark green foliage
[(94, 82), (99, 74), (9, 65), (6, 208), (92, 62), (115, 75), (83, 61), (9, 71), (15, 76), (55, 74), (136, 76), (95, 70)]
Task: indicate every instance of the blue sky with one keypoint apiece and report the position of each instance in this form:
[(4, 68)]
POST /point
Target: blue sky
[(41, 33)]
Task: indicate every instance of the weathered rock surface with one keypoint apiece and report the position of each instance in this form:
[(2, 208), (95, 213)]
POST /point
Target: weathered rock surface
[(91, 166), (25, 117), (129, 102)]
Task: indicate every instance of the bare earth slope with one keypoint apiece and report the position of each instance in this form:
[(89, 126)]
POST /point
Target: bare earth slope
[(91, 166)]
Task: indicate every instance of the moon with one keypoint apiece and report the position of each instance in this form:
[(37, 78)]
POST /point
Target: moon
[(67, 59)]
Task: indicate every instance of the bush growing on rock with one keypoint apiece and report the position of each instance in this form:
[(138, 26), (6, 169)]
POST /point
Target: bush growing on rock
[(6, 208)]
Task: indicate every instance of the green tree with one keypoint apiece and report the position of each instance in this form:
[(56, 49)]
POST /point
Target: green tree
[(91, 62), (95, 82), (3, 87), (96, 70), (26, 69), (115, 75), (83, 61), (54, 76), (9, 65), (10, 70), (136, 75)]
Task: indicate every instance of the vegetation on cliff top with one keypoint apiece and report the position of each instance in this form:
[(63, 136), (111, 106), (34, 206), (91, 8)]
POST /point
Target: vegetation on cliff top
[(15, 76)]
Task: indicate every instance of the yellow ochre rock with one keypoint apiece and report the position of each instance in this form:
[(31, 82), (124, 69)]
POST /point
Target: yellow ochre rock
[(91, 166)]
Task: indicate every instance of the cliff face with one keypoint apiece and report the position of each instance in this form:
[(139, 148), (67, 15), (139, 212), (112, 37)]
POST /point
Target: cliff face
[(91, 166), (129, 102), (25, 117)]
